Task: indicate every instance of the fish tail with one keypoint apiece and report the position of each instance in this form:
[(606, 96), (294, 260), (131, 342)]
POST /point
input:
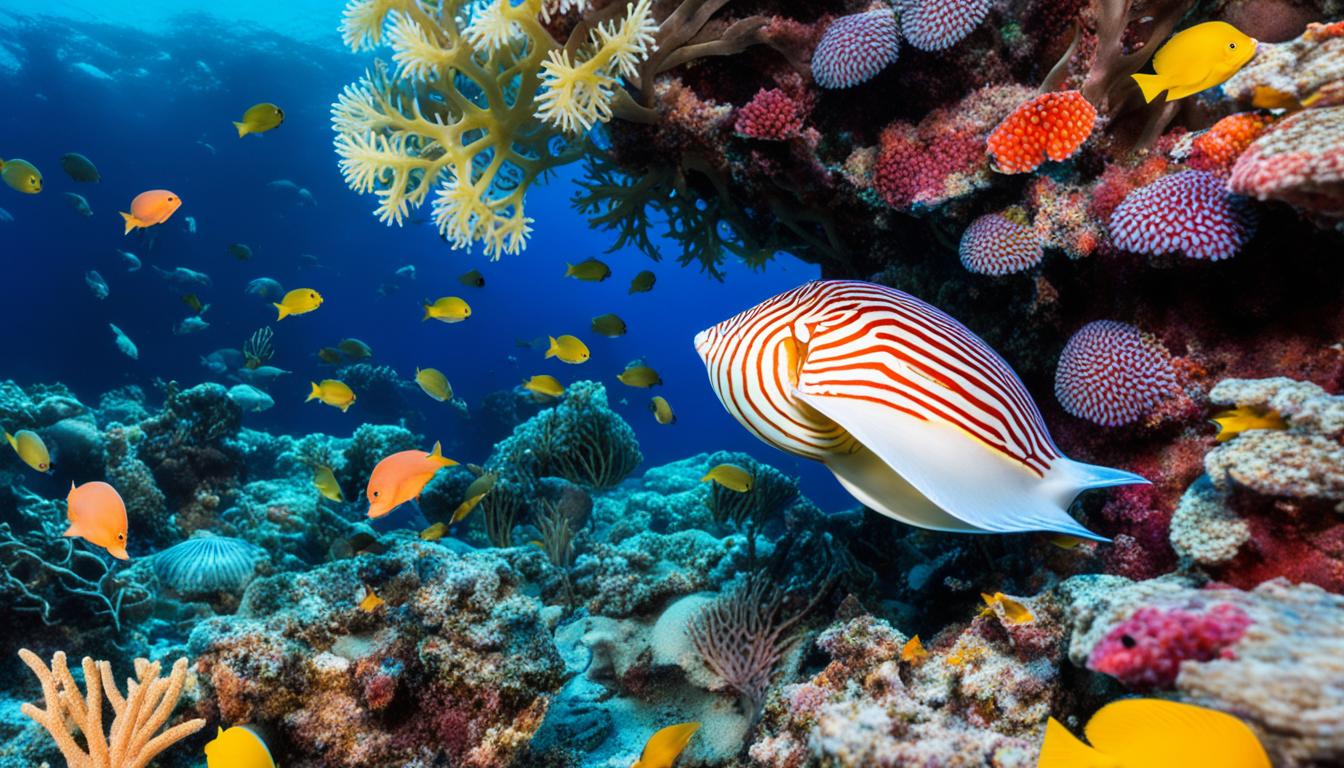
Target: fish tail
[(242, 129), (13, 443), (283, 312), (569, 269), (427, 314), (1062, 749), (1151, 85), (554, 349), (316, 393), (437, 456), (131, 222)]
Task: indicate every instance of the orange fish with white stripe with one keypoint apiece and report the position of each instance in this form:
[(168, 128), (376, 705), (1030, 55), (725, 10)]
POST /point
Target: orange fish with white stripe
[(918, 418)]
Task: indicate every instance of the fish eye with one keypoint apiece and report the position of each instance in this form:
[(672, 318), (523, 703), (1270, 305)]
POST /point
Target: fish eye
[(121, 537), (375, 494), (312, 295), (1127, 641), (1232, 46)]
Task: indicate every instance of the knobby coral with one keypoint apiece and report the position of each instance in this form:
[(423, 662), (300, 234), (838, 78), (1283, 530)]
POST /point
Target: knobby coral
[(1051, 125), (997, 244), (1188, 213), (1113, 374)]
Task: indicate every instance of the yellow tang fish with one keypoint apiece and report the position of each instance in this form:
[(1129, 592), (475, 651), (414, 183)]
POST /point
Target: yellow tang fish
[(98, 515), (371, 600), (544, 385), (31, 449), (473, 278), (1197, 59), (401, 477), (913, 651), (260, 118), (643, 282), (299, 301), (730, 476), (238, 747), (1066, 542), (641, 376), (150, 209), (591, 270), (1245, 418), (662, 412), (1014, 613), (568, 349), (608, 325), (465, 508), (21, 175), (434, 383), (324, 480), (448, 309), (1153, 733), (434, 532), (664, 747), (331, 392)]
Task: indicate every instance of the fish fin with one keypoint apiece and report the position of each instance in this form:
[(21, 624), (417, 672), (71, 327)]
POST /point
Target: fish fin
[(427, 314), (569, 269), (242, 129), (1062, 749), (437, 456), (13, 443), (880, 488), (346, 407), (283, 312), (316, 393), (131, 222), (1132, 730), (1151, 86), (554, 349)]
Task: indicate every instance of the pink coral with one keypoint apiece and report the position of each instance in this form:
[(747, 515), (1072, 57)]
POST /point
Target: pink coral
[(1051, 125), (1188, 213), (1112, 374), (934, 25), (855, 48), (1300, 161), (910, 171), (1217, 149), (997, 245), (771, 114), (1145, 652)]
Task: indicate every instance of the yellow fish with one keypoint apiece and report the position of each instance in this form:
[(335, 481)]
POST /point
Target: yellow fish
[(260, 118), (371, 600), (21, 175), (31, 449), (1197, 59), (1066, 542), (1245, 418), (568, 349), (913, 651), (465, 508), (662, 412), (608, 325), (544, 385), (193, 302), (591, 270), (98, 515), (150, 209), (481, 485), (324, 480), (448, 309), (434, 532), (730, 476), (643, 282), (238, 747), (1014, 613), (473, 278), (1153, 733), (299, 301), (434, 383), (641, 376), (401, 477), (664, 747), (331, 392)]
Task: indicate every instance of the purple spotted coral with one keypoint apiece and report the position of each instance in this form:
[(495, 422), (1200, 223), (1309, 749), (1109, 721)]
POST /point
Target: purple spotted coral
[(1113, 374), (994, 244), (934, 25), (1188, 213), (855, 48)]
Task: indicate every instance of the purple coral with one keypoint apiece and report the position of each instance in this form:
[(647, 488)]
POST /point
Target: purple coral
[(855, 48), (996, 245), (1112, 373), (1189, 213), (934, 25), (1145, 652), (743, 635)]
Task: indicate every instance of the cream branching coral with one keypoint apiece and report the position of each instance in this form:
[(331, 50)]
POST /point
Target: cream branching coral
[(480, 102), (134, 739)]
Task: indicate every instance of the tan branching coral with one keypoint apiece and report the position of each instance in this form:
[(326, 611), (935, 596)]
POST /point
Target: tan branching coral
[(138, 716)]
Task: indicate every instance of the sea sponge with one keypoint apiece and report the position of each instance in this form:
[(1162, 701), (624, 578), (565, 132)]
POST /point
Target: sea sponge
[(1188, 213), (1051, 125), (1145, 652), (997, 245), (933, 25), (1113, 374), (1299, 161), (855, 48)]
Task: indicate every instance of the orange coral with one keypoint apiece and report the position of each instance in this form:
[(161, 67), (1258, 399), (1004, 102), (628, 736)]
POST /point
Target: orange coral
[(1217, 149), (1051, 125)]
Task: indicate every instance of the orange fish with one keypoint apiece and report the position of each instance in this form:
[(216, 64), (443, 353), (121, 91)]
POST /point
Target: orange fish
[(150, 208), (401, 477), (913, 651), (1013, 612), (98, 515)]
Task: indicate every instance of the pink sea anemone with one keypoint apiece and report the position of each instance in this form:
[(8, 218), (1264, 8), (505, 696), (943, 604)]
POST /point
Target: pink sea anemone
[(1188, 213), (1145, 652), (855, 48), (1113, 374)]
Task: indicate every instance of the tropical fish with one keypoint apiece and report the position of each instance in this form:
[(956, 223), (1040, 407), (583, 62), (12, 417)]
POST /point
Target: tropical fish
[(98, 515), (80, 168), (97, 285), (132, 261), (662, 412), (240, 252), (299, 301), (324, 480), (249, 398), (124, 343), (193, 324), (664, 747), (608, 325), (913, 651), (434, 532), (262, 374), (401, 477), (641, 376), (448, 309), (371, 600), (730, 476), (542, 384), (917, 417), (331, 392), (1154, 733), (1245, 418), (465, 508), (182, 278), (473, 278), (329, 355), (1009, 611), (1066, 542), (355, 349), (151, 208), (433, 383), (260, 118), (482, 485), (194, 303), (79, 204), (238, 747), (590, 270), (29, 446), (265, 288), (21, 175), (567, 349), (643, 282), (1196, 59)]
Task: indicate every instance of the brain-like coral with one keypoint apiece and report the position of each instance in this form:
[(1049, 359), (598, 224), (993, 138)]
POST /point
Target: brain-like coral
[(1113, 374), (997, 245), (1050, 126), (933, 25), (1145, 652), (1188, 213), (1299, 161), (855, 48)]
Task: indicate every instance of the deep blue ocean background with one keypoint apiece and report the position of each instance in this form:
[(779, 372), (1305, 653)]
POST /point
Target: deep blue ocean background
[(149, 92)]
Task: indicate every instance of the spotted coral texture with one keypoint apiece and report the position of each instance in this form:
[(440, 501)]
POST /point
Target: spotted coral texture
[(1146, 651), (771, 114), (1189, 213), (1050, 126), (935, 25), (1300, 161), (1217, 149), (996, 245), (1113, 374), (855, 48)]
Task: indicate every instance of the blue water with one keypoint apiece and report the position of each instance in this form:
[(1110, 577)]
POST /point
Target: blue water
[(152, 106)]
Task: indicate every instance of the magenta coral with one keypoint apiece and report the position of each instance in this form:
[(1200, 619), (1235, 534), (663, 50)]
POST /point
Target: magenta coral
[(1188, 213), (1145, 652), (934, 25), (1051, 125), (855, 48), (909, 171), (1112, 374), (1300, 161), (996, 245), (771, 114)]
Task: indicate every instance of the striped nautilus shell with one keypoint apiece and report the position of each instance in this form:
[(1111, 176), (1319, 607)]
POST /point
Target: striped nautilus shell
[(918, 418)]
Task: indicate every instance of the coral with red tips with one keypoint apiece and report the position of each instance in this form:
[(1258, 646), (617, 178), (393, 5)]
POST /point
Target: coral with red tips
[(995, 244), (1113, 374), (1188, 213), (1300, 161), (1050, 126), (855, 48), (935, 25), (1217, 149), (771, 114), (1146, 651), (909, 171)]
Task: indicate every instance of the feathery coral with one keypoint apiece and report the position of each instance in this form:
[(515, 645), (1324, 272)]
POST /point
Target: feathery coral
[(1189, 213), (1051, 125), (996, 245), (855, 48), (1112, 373)]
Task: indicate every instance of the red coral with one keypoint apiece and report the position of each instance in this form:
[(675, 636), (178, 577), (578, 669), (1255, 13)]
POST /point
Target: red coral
[(910, 171), (1217, 149), (1051, 125), (1145, 652), (771, 114), (1113, 374), (996, 245), (1117, 181), (1300, 161), (1188, 213), (855, 48), (933, 25)]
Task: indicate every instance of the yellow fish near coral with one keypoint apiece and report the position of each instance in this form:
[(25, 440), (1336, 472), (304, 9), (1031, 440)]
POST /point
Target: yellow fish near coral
[(21, 175), (641, 376), (465, 508), (1245, 418), (590, 270), (150, 209), (730, 476), (1013, 612), (433, 383), (260, 118), (1152, 733), (449, 309), (324, 480), (664, 747), (238, 747), (401, 477), (913, 651), (98, 515), (331, 392), (568, 349), (434, 532), (299, 301), (31, 449), (662, 411), (371, 600), (1197, 59), (544, 385)]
